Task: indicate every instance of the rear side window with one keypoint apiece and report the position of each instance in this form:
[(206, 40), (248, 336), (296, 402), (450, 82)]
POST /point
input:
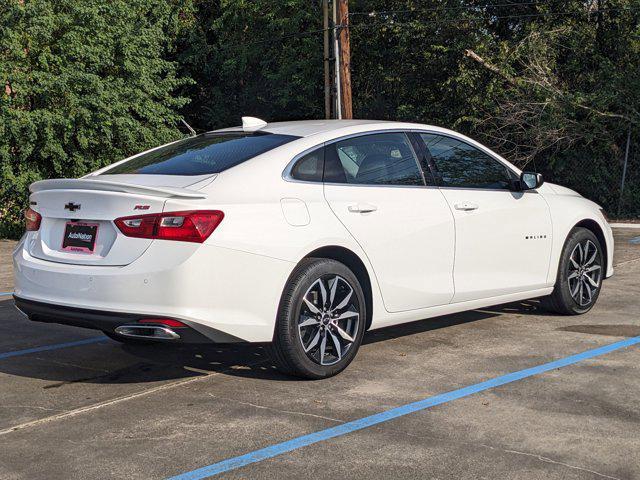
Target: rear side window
[(201, 155), (458, 164), (376, 159), (309, 167)]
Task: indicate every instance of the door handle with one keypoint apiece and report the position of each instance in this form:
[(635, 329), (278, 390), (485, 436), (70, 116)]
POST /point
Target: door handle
[(362, 208), (466, 206)]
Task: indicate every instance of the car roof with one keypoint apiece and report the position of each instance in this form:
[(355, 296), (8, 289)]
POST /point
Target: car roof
[(336, 128), (306, 128)]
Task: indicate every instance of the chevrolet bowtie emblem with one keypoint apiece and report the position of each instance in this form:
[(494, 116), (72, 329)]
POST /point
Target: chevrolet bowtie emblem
[(72, 207)]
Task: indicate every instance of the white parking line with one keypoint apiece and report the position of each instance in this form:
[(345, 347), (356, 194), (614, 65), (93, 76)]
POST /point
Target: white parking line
[(95, 406)]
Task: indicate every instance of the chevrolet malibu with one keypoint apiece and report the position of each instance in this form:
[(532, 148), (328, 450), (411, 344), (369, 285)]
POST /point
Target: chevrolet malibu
[(303, 235)]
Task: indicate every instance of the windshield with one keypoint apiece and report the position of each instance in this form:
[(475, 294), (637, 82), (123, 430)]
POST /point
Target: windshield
[(202, 155)]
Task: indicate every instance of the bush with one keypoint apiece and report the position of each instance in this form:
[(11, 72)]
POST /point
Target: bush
[(86, 83)]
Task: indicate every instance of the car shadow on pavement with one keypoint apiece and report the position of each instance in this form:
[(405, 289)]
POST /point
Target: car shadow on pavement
[(529, 307), (252, 361), (109, 362)]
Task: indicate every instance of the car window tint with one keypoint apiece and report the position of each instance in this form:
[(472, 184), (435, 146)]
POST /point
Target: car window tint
[(309, 167), (376, 159), (459, 164), (201, 155)]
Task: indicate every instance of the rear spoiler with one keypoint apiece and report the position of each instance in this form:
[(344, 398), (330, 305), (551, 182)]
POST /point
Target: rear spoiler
[(87, 184)]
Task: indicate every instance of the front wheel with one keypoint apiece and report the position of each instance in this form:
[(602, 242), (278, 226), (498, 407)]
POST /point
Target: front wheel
[(321, 320), (580, 274)]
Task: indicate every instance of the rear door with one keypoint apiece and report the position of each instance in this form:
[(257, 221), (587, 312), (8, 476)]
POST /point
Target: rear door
[(375, 186), (503, 237)]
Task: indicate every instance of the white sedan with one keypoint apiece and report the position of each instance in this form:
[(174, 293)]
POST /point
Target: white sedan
[(304, 235)]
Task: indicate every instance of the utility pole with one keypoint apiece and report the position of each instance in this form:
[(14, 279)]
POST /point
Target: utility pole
[(336, 54), (343, 58), (327, 74)]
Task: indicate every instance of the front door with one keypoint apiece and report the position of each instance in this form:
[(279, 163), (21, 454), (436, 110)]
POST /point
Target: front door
[(503, 237)]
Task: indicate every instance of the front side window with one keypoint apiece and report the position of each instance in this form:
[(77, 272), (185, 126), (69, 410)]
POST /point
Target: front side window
[(202, 155), (459, 164), (376, 159)]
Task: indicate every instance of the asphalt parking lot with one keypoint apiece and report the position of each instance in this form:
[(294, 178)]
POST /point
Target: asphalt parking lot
[(74, 404)]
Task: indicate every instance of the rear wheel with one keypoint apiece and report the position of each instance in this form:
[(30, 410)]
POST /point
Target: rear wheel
[(321, 320), (580, 274)]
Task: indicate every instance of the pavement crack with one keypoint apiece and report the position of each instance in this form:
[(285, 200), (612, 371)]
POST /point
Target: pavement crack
[(128, 438), (96, 406), (34, 407), (152, 457), (625, 262), (505, 450), (550, 460), (68, 364), (273, 409)]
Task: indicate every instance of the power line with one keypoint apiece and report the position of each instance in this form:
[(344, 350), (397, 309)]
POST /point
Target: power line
[(476, 20), (461, 7), (285, 36), (423, 22)]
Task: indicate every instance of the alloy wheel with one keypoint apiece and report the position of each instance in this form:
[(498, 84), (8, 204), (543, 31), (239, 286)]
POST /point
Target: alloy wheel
[(328, 320), (585, 272)]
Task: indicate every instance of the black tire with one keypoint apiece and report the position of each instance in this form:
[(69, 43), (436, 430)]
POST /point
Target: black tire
[(561, 299), (287, 349), (128, 340)]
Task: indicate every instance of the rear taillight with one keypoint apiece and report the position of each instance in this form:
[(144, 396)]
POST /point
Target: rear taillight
[(192, 226), (32, 220)]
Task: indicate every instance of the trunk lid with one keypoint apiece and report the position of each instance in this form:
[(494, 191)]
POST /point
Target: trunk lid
[(69, 205)]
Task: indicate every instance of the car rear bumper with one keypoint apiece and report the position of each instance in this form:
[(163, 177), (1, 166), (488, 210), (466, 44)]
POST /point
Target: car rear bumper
[(109, 321), (223, 294)]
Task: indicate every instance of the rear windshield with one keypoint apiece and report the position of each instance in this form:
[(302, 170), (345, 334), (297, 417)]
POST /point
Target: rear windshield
[(201, 155)]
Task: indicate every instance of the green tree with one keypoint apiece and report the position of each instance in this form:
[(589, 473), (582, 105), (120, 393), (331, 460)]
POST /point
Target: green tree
[(253, 57), (551, 84), (565, 90), (84, 83)]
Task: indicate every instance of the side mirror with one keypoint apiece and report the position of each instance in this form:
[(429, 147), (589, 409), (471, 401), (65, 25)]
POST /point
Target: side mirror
[(530, 180)]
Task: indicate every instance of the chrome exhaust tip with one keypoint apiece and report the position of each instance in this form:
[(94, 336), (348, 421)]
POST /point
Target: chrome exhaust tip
[(149, 332)]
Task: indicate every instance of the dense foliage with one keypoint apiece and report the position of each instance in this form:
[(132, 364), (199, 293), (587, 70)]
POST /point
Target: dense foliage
[(84, 83), (552, 85)]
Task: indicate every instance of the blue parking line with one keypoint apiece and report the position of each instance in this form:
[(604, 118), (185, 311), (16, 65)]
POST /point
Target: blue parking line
[(5, 293), (305, 440), (56, 346)]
